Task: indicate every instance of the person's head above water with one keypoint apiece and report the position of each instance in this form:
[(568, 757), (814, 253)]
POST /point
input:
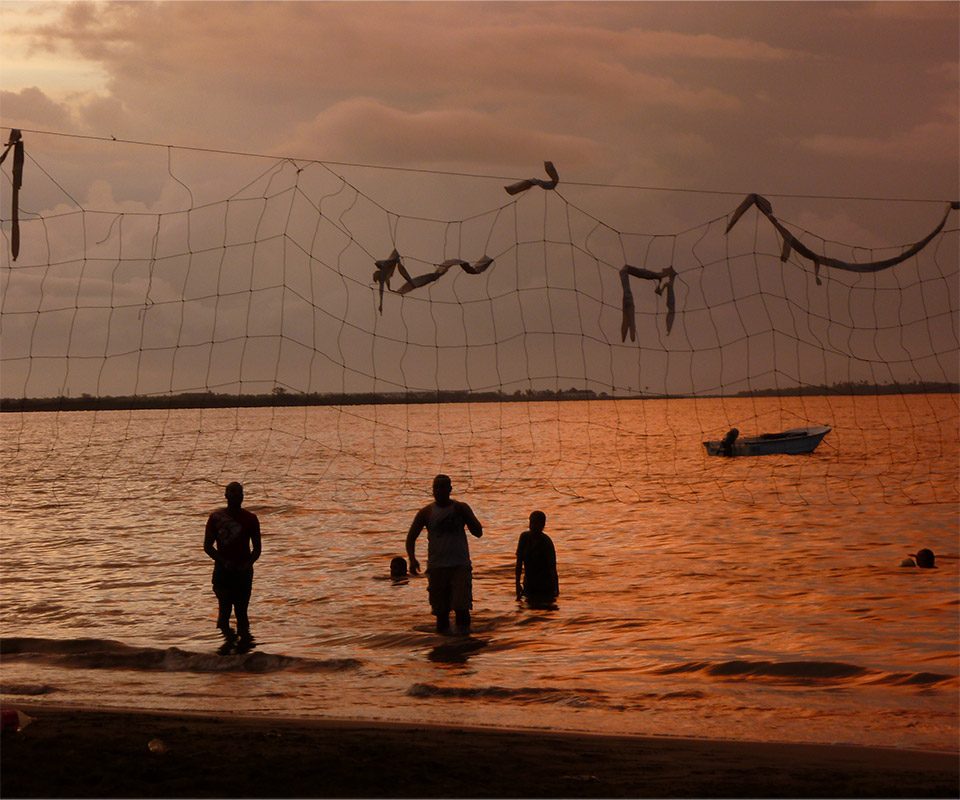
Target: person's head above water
[(442, 487), (925, 558), (234, 494), (398, 567), (538, 521)]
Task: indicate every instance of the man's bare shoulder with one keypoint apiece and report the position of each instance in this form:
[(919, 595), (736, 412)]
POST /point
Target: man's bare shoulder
[(234, 513)]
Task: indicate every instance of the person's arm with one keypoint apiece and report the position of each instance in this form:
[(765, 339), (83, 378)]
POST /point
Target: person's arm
[(419, 521), (519, 567), (255, 539), (473, 524), (209, 538), (556, 576)]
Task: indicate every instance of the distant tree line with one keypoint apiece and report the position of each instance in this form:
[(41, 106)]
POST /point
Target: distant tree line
[(281, 397), (858, 388)]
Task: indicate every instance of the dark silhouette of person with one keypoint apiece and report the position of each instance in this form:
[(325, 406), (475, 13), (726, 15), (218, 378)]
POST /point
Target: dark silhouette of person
[(726, 444), (924, 559), (398, 568), (449, 570), (232, 540), (537, 563)]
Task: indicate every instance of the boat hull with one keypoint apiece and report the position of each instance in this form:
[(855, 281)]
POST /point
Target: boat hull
[(795, 441)]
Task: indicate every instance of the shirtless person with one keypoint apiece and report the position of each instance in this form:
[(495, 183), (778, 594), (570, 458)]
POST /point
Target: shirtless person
[(449, 572), (233, 530), (537, 563)]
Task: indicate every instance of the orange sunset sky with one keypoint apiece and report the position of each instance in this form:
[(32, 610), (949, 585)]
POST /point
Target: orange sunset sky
[(820, 98)]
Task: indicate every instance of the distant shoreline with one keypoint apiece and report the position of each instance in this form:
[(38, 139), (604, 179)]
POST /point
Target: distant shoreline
[(284, 398)]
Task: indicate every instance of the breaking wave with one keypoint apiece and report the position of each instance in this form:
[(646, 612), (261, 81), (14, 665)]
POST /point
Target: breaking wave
[(808, 672)]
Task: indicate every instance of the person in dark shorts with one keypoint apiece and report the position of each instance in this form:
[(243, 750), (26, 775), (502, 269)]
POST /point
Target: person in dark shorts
[(449, 570), (537, 564), (232, 540)]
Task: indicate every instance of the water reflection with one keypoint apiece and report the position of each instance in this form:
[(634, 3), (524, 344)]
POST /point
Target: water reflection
[(456, 651), (804, 578), (234, 644)]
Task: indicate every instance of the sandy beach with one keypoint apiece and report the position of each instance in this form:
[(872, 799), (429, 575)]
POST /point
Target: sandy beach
[(94, 753)]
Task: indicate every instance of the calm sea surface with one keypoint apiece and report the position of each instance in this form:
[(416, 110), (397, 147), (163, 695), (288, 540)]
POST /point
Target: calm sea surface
[(751, 598)]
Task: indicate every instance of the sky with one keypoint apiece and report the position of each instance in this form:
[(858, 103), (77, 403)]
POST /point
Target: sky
[(800, 102), (767, 97)]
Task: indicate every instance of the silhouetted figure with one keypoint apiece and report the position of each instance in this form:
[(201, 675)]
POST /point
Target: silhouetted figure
[(232, 540), (924, 559), (449, 571), (726, 444), (398, 568), (537, 563)]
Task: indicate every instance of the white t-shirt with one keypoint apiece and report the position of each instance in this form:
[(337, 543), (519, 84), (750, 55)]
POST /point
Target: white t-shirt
[(446, 538)]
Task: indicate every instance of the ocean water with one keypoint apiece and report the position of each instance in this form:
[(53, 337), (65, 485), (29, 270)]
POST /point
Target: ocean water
[(752, 598)]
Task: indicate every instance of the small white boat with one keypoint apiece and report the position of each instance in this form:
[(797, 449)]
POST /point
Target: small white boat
[(791, 442)]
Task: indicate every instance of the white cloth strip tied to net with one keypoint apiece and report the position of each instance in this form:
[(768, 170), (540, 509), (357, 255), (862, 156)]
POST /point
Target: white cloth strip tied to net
[(529, 183), (790, 242), (386, 267), (664, 280)]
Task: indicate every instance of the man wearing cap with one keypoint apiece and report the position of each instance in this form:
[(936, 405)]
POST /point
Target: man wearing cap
[(232, 540)]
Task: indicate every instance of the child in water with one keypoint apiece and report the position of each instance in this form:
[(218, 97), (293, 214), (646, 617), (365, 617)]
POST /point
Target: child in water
[(537, 563), (398, 569)]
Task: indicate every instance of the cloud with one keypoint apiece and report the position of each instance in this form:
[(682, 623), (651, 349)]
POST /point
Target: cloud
[(902, 10), (82, 112), (650, 45), (946, 69), (714, 95), (330, 51), (32, 108), (102, 113), (926, 142), (838, 226), (366, 130)]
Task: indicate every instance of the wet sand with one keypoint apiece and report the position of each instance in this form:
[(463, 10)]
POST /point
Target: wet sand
[(96, 753)]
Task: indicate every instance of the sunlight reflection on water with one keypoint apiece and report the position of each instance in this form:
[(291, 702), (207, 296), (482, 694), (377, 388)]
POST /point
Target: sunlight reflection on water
[(751, 598)]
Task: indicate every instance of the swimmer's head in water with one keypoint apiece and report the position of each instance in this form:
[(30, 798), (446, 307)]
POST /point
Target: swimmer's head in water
[(234, 493), (925, 558), (398, 567)]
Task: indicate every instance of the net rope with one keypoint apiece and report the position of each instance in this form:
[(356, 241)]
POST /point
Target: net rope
[(297, 321)]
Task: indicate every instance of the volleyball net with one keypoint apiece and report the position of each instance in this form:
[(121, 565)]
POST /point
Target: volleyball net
[(200, 316)]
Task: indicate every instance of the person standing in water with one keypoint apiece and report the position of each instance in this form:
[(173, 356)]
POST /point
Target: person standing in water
[(537, 563), (449, 571), (232, 540)]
